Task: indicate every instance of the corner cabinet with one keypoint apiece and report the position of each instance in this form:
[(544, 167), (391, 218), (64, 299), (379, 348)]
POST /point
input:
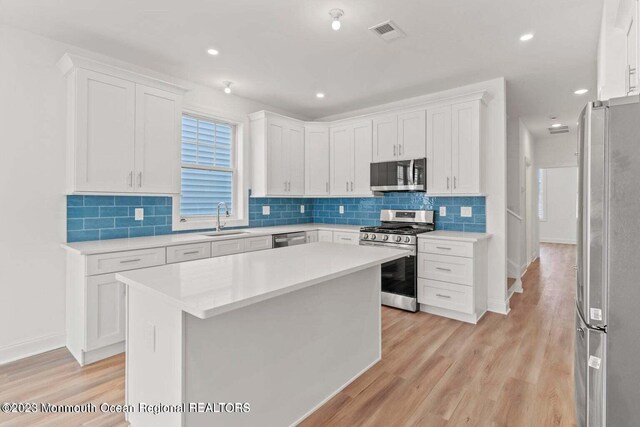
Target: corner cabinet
[(399, 136), (455, 140), (123, 130), (277, 144), (351, 156)]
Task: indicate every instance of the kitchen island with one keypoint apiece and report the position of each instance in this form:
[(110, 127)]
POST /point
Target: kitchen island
[(274, 333)]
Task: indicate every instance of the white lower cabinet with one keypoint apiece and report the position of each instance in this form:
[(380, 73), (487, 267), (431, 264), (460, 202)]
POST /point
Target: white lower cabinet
[(105, 311), (452, 278), (346, 237), (312, 236), (325, 236), (188, 252), (257, 243)]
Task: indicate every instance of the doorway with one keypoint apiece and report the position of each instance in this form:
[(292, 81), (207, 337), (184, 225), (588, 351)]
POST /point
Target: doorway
[(558, 204)]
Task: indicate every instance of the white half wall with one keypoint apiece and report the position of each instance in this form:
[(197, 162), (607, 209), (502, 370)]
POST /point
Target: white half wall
[(560, 225), (32, 183)]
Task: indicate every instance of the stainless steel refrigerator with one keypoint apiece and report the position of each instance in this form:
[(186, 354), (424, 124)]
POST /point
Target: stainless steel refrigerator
[(607, 347)]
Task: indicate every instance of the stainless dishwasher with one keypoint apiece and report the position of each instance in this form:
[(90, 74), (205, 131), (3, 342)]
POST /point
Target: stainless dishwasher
[(289, 239)]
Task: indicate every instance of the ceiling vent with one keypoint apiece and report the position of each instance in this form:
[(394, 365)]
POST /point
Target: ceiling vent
[(388, 31), (561, 129)]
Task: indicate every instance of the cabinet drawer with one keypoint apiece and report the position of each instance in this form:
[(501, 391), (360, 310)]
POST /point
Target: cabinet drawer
[(188, 252), (258, 243), (346, 238), (446, 268), (445, 295), (444, 247), (227, 247), (325, 236), (122, 261)]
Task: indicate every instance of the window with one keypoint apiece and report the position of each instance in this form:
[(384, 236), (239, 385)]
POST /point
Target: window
[(542, 194), (209, 173)]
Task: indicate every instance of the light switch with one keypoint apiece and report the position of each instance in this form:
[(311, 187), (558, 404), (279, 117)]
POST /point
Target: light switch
[(266, 210), (443, 211), (139, 213), (466, 211), (341, 210), (301, 208)]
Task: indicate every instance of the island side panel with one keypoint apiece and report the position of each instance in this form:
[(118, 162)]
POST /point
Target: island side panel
[(284, 356), (154, 370)]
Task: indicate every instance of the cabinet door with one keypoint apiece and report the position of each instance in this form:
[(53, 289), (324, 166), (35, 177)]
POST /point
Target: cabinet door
[(385, 138), (325, 236), (361, 163), (465, 147), (277, 159), (295, 148), (412, 142), (312, 236), (316, 161), (105, 311), (439, 150), (632, 53), (104, 126), (157, 143), (341, 163)]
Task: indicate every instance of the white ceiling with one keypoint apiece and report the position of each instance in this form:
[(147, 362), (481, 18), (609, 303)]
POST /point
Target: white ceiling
[(282, 52)]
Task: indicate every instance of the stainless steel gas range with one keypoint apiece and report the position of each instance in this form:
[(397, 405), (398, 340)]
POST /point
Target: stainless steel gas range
[(399, 229)]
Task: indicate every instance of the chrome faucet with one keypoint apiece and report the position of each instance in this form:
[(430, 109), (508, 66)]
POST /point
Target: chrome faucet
[(226, 208)]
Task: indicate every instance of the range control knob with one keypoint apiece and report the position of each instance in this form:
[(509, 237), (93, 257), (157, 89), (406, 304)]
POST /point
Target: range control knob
[(365, 236), (407, 239), (373, 237), (398, 238), (385, 237)]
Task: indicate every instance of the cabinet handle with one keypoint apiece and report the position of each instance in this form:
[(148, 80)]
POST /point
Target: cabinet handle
[(444, 248), (351, 185), (399, 150), (191, 253), (394, 151), (288, 185), (631, 71), (347, 183), (285, 186), (327, 186), (447, 183), (443, 296), (140, 179), (127, 261), (443, 269), (131, 179), (455, 182)]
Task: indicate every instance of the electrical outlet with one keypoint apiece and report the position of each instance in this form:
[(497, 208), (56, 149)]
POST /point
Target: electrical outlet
[(139, 214), (266, 210), (341, 210), (443, 211), (466, 211), (301, 208)]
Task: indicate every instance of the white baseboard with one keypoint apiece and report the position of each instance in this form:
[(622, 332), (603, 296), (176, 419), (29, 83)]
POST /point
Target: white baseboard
[(31, 347), (516, 287), (561, 241), (498, 306), (452, 314)]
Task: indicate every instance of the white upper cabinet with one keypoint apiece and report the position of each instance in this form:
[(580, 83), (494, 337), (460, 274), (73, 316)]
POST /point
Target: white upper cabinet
[(123, 130), (454, 147), (631, 73), (385, 138), (411, 135), (316, 149), (158, 124), (351, 156), (277, 144)]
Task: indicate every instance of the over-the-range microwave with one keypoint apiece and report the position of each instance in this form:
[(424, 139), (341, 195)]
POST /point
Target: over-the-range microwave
[(400, 175)]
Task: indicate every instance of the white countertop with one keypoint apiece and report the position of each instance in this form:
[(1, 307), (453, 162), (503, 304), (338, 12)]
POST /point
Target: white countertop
[(213, 286), (454, 235), (118, 245)]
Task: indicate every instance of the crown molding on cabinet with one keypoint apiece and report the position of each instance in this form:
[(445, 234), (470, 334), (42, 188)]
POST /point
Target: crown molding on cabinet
[(70, 62)]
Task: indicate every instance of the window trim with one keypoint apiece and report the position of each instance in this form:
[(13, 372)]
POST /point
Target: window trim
[(240, 183)]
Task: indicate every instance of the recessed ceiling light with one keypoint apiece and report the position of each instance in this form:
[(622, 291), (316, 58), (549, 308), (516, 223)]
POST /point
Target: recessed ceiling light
[(319, 95), (581, 91), (227, 87), (336, 14), (212, 51), (526, 37), (556, 125)]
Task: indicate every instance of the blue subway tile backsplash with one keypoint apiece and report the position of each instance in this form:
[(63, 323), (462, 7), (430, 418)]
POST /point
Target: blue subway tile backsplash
[(113, 217)]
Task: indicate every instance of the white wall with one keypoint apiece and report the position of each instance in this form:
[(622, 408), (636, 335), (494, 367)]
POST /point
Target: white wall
[(496, 176), (557, 151), (529, 195), (32, 174), (562, 190)]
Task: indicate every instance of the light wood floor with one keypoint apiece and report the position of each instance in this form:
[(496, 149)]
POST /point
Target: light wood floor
[(513, 370)]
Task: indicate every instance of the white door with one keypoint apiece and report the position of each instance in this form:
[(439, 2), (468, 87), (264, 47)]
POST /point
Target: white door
[(465, 147), (277, 159), (361, 176), (316, 161), (295, 149), (105, 311), (341, 155), (385, 138), (104, 133), (157, 141), (412, 142), (439, 150)]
